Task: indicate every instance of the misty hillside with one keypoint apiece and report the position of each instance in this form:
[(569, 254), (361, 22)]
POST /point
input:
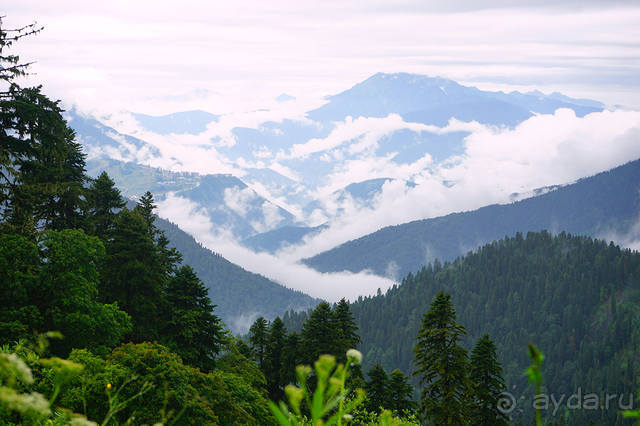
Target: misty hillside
[(241, 296), (378, 118), (600, 205), (227, 201)]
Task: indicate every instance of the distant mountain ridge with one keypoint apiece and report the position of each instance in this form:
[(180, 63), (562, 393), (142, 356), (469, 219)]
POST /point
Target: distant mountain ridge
[(606, 203), (433, 100)]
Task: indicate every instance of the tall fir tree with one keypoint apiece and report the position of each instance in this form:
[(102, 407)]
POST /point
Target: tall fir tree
[(104, 201), (400, 393), (442, 365), (145, 207), (258, 338), (274, 362), (488, 384), (192, 330), (377, 389), (291, 357), (132, 275), (46, 186), (319, 333), (346, 325)]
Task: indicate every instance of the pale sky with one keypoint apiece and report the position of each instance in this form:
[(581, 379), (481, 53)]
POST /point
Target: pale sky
[(164, 56)]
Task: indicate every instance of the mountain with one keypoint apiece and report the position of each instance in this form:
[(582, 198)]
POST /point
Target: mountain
[(434, 100), (99, 140), (191, 122), (240, 296), (272, 241), (377, 121), (600, 205), (133, 179), (362, 193), (576, 298), (229, 203)]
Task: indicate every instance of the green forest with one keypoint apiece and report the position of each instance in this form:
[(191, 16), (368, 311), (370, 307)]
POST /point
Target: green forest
[(102, 322)]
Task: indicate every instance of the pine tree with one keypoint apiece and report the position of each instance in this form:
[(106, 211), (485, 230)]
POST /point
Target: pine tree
[(291, 358), (319, 333), (377, 389), (442, 364), (47, 178), (145, 208), (193, 331), (400, 392), (274, 359), (258, 335), (487, 382), (104, 201), (346, 324), (132, 275)]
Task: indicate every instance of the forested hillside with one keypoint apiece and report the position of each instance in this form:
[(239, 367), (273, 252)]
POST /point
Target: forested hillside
[(578, 299), (600, 205), (240, 295)]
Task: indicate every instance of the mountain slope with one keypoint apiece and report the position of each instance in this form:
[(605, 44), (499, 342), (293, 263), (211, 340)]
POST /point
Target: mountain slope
[(272, 241), (229, 203), (191, 122), (576, 298), (599, 205), (240, 296)]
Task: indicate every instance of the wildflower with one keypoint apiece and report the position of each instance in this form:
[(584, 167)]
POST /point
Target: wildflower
[(355, 356)]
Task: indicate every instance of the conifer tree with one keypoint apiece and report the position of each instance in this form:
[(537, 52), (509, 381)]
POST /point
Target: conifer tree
[(104, 201), (132, 275), (400, 392), (45, 189), (258, 335), (291, 357), (274, 368), (193, 331), (145, 208), (319, 333), (442, 365), (487, 382), (346, 325), (377, 389)]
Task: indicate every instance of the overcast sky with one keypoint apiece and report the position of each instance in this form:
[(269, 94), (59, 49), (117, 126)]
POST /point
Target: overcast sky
[(163, 56)]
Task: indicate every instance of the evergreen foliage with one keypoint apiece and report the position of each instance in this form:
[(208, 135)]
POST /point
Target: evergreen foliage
[(442, 364), (192, 330), (377, 389), (104, 201), (554, 290), (488, 384), (258, 338), (319, 333)]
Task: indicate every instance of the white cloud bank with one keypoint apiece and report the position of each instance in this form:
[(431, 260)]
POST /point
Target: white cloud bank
[(542, 151), (332, 287)]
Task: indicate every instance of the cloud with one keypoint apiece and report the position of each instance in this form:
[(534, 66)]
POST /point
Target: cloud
[(542, 151), (363, 134), (190, 217), (131, 55), (239, 199)]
